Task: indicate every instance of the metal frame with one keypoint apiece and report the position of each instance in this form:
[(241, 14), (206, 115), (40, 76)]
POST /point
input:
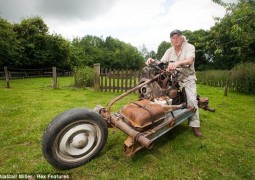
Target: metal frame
[(137, 140)]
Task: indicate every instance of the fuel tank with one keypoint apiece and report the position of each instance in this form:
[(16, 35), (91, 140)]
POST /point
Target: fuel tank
[(143, 114)]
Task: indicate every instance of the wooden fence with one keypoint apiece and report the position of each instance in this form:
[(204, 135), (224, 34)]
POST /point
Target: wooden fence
[(231, 85), (15, 73), (106, 80), (118, 80), (114, 80)]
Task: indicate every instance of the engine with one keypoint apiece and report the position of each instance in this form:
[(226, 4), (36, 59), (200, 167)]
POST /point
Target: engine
[(164, 90)]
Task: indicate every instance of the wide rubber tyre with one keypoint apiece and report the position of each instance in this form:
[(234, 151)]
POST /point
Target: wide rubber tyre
[(73, 138)]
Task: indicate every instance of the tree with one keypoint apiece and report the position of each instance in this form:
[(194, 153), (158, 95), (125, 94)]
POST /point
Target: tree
[(122, 55), (87, 50), (57, 52), (110, 53), (232, 39), (162, 49), (243, 30), (10, 47), (39, 48), (31, 32), (199, 39), (144, 51)]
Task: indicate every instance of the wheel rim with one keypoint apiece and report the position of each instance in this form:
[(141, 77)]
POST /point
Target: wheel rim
[(78, 141)]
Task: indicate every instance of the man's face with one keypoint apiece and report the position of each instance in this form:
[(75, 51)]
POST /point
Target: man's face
[(176, 40)]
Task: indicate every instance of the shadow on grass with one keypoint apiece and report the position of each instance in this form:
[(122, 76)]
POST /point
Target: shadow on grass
[(162, 141)]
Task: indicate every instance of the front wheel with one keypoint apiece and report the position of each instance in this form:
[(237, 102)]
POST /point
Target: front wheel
[(73, 138)]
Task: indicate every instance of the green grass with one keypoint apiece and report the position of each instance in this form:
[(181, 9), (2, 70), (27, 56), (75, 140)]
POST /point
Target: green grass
[(226, 151)]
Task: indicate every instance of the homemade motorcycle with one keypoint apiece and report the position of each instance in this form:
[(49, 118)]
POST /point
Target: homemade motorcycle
[(76, 136)]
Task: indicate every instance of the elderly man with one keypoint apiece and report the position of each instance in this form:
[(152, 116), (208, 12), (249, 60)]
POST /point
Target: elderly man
[(183, 54)]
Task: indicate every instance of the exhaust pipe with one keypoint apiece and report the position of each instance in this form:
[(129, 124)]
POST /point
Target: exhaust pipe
[(137, 136)]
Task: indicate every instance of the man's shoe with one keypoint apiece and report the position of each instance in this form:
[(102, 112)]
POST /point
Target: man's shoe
[(196, 131)]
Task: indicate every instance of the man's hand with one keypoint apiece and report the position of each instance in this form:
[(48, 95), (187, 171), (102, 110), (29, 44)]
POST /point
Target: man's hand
[(149, 60), (172, 66)]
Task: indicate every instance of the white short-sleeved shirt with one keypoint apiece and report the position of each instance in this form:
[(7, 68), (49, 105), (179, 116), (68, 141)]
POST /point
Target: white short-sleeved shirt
[(187, 50)]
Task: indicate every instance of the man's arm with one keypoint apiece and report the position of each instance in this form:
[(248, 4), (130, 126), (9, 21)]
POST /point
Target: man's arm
[(186, 62), (190, 57)]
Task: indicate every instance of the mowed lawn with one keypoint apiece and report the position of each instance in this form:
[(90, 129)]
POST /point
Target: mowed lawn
[(226, 150)]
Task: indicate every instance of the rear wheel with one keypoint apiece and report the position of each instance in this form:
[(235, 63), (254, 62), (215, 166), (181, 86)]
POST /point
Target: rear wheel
[(73, 138)]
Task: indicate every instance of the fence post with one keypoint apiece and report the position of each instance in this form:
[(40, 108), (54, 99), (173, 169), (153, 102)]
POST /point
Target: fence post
[(55, 81), (227, 84), (7, 78), (226, 89), (97, 76)]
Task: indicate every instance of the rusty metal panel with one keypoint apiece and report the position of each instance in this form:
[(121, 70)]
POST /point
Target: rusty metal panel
[(171, 121), (143, 113)]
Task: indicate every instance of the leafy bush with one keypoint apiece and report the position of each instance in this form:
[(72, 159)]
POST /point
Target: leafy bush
[(83, 76), (241, 78), (216, 78)]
